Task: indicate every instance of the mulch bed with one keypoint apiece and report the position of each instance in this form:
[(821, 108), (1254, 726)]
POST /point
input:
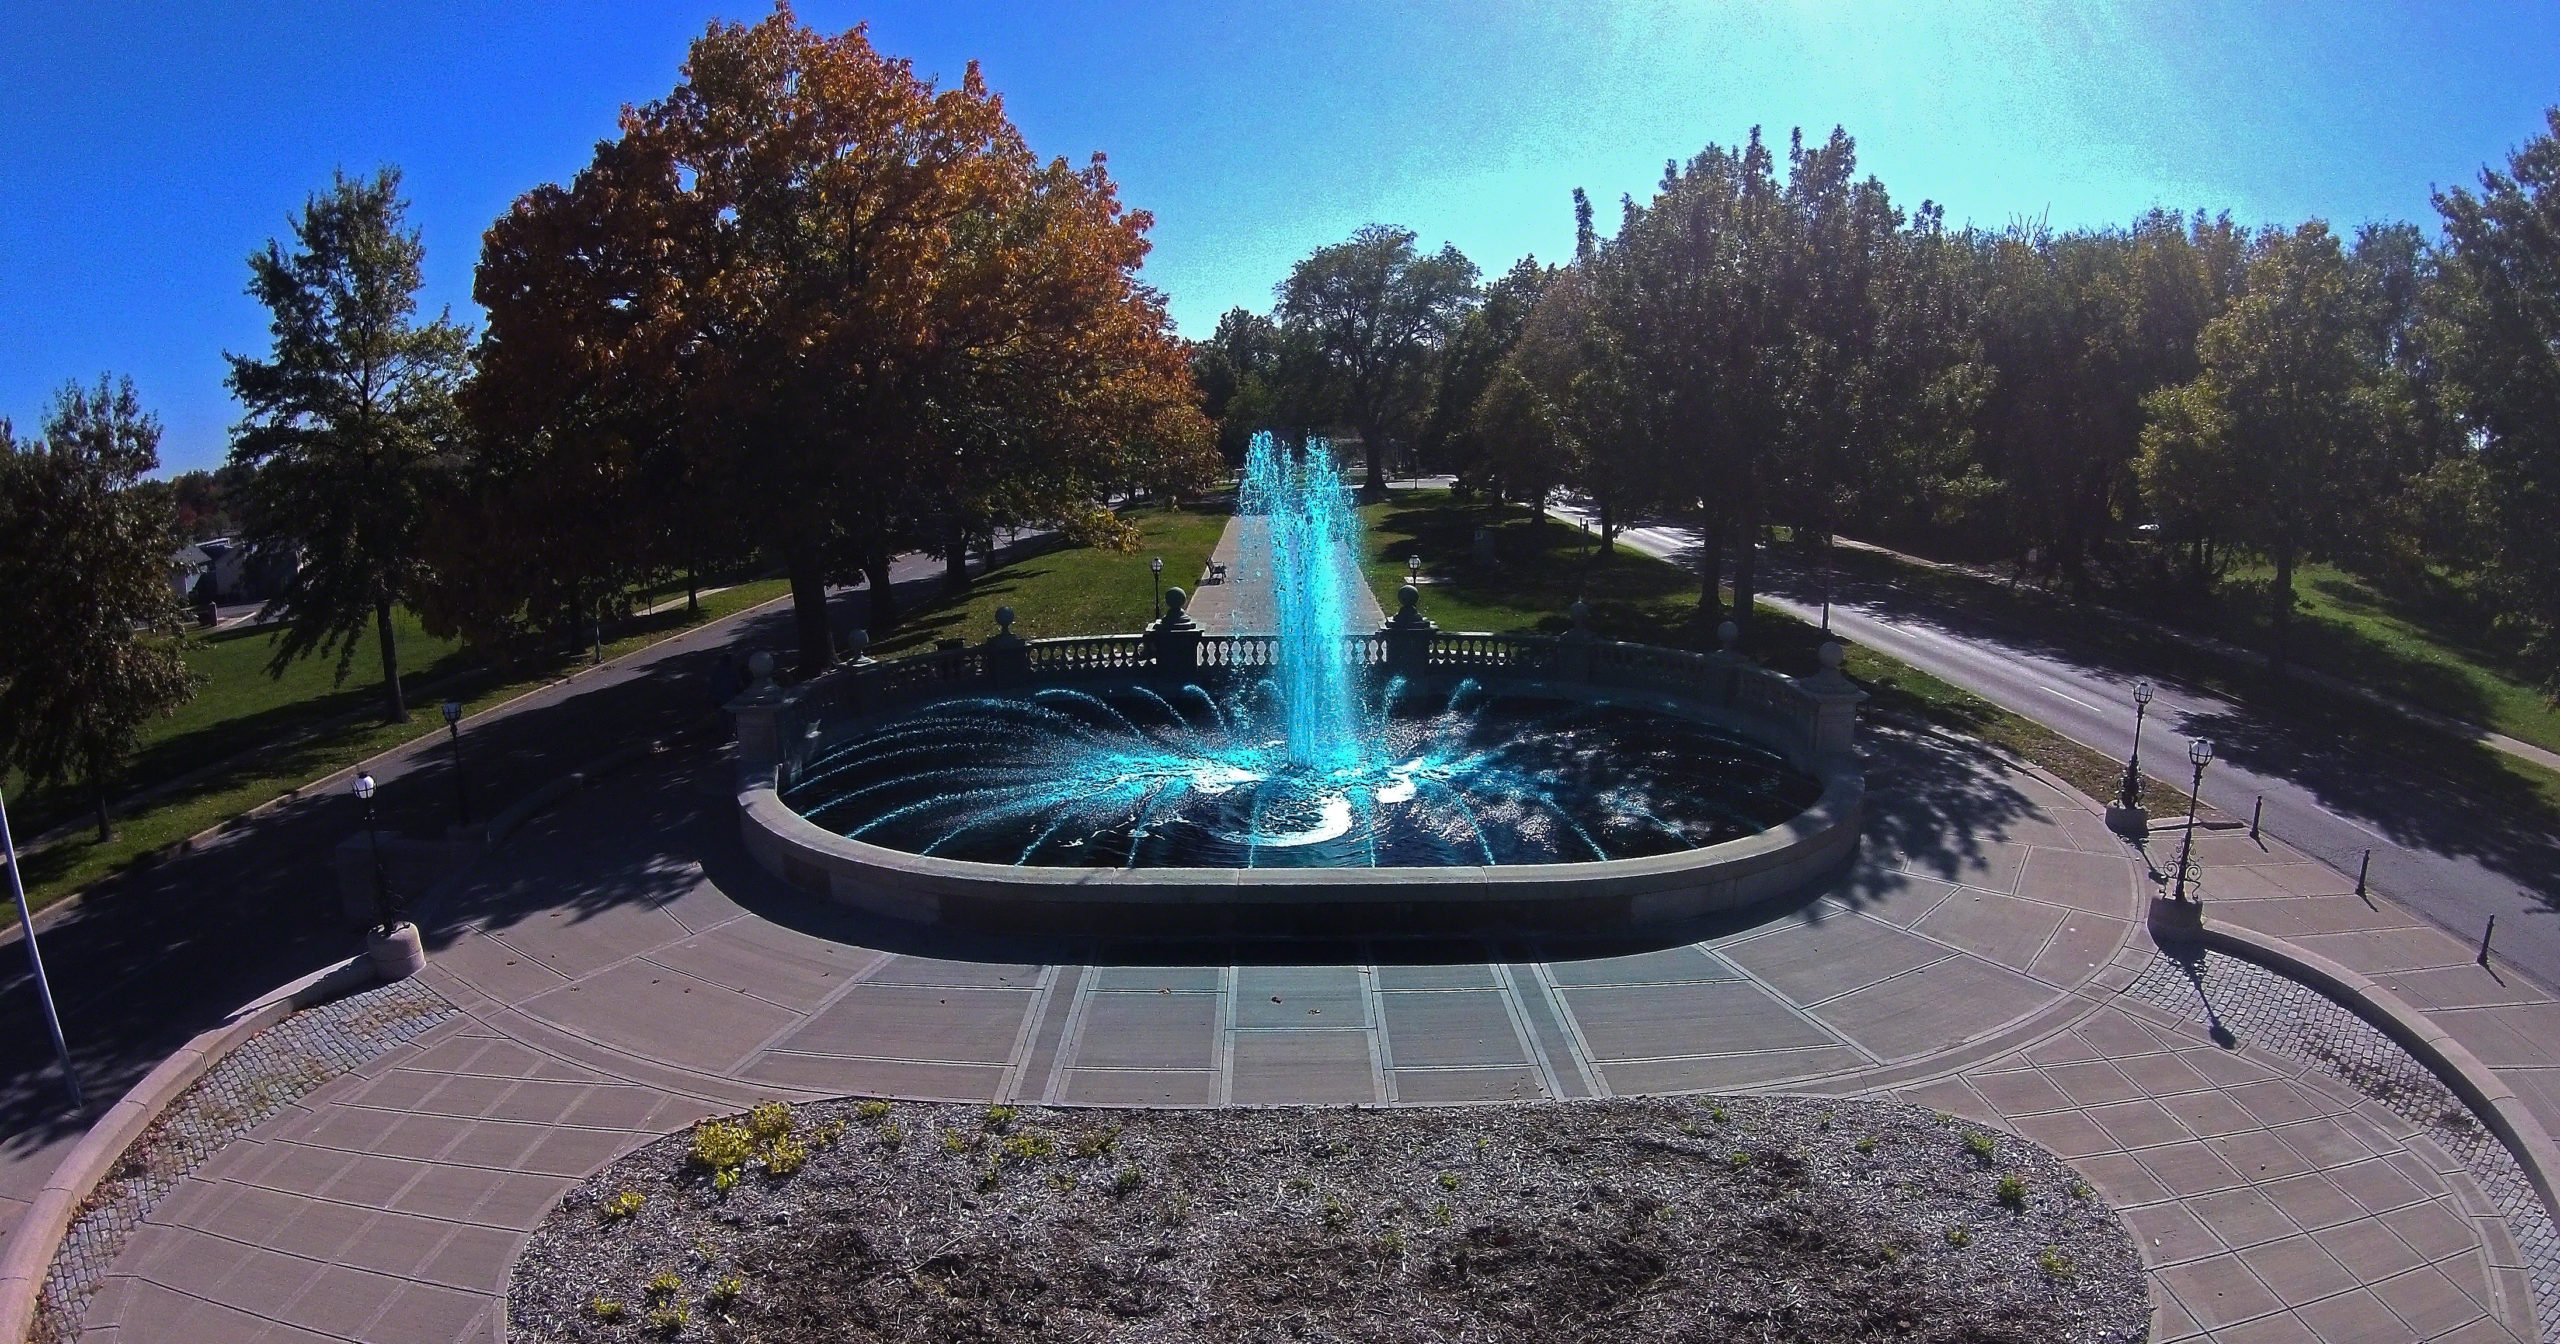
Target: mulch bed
[(1700, 1218)]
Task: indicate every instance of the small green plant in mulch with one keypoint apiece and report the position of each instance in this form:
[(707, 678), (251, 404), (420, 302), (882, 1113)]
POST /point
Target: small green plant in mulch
[(1094, 1143), (1959, 1236), (1738, 1161), (622, 1206), (2055, 1264), (892, 1137), (992, 1177), (1440, 1214), (827, 1135), (666, 1285), (2080, 1191), (2012, 1191), (1448, 1180), (719, 1145), (1390, 1244), (726, 1292), (669, 1320), (1336, 1215), (999, 1118), (771, 1121), (1981, 1146), (953, 1141), (1065, 1180), (1127, 1181), (1867, 1144), (1028, 1146), (1717, 1114), (785, 1156), (724, 1180), (605, 1309), (869, 1111)]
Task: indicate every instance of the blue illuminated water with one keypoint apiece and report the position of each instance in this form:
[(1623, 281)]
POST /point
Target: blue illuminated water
[(1315, 765)]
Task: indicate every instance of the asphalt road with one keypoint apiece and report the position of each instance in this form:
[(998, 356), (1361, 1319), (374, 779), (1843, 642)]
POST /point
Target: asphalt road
[(2434, 850)]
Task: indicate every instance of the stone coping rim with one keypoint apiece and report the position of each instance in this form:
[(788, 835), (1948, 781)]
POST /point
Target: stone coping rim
[(27, 1260), (2476, 1083)]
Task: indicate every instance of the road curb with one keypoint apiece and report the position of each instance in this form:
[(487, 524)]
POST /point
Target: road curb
[(2476, 1083), (27, 1260)]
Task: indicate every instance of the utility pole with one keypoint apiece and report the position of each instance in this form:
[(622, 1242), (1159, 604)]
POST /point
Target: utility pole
[(44, 989)]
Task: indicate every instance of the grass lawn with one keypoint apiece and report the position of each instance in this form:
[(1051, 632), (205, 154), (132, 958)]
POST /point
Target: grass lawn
[(1074, 590), (1541, 571), (241, 708)]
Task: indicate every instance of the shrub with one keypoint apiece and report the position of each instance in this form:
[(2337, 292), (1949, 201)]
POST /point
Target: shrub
[(1980, 1145), (771, 1120), (724, 1180), (1717, 1115), (869, 1111), (953, 1141), (2013, 1191), (1959, 1236), (721, 1144), (664, 1286), (1000, 1118), (726, 1292), (827, 1135), (622, 1206), (1027, 1146), (669, 1320), (892, 1137), (604, 1309), (786, 1156)]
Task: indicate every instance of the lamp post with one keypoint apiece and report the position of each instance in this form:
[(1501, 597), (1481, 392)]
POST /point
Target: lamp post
[(381, 886), (1413, 568), (35, 960), (2132, 790), (461, 789), (2199, 751), (1156, 567)]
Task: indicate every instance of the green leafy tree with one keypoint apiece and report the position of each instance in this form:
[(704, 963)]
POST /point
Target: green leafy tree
[(1377, 310), (2276, 440), (2502, 352), (349, 419), (1465, 371), (91, 649)]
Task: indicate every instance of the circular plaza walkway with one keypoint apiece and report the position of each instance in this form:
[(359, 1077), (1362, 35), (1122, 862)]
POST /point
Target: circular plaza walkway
[(620, 969)]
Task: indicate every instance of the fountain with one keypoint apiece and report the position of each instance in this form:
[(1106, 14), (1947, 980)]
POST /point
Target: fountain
[(1280, 768)]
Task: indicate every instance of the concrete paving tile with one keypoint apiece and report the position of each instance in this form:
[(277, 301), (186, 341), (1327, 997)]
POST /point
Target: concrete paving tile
[(2209, 1114), (2273, 1101), (469, 1095), (2427, 1302), (342, 1302), (2023, 1092), (1812, 962), (975, 1026), (2061, 1049), (2280, 1328), (393, 1243), (2304, 916), (474, 1258), (151, 1312), (2378, 951), (422, 1136), (2079, 950), (2169, 1321), (837, 1075), (1987, 864), (1261, 982), (1452, 975), (2259, 1155), (2189, 1169), (2241, 1216), (317, 1229), (2122, 1178), (2102, 884), (659, 1015), (2306, 878), (2115, 1034), (538, 1102), (2432, 1231), (373, 1181), (1655, 1021), (191, 1262), (1896, 897), (1147, 1031), (496, 969), (2510, 1036), (2482, 1331), (2226, 1068), (2218, 1291), (2163, 1075), (611, 1106), (2326, 1143), (2465, 986), (798, 981), (449, 1192), (2070, 1134), (1450, 1087), (2356, 1317), (397, 1090), (2377, 1185), (1997, 928), (580, 943), (242, 1212), (2169, 1234), (1446, 1028), (1936, 1008), (428, 1314), (520, 1200), (1113, 1087), (1288, 1067), (575, 1152), (1724, 1073), (1290, 998), (2372, 1250), (1666, 966), (2140, 1123), (1155, 979)]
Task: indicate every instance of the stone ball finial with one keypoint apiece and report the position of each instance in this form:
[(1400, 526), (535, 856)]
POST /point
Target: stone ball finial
[(1831, 654), (1408, 596), (1580, 611), (1726, 634), (1004, 620), (856, 641), (760, 665), (1174, 598)]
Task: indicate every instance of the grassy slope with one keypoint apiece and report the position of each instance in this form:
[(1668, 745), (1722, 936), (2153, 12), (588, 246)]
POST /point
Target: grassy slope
[(1072, 590), (1636, 597), (241, 708)]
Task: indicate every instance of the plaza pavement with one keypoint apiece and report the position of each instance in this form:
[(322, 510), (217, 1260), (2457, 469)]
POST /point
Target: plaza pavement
[(622, 969)]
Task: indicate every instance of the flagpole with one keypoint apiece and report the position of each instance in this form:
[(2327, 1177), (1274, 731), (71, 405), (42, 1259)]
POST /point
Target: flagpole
[(44, 990)]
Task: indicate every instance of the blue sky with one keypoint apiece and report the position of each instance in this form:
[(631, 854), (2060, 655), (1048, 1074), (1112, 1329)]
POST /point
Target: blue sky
[(147, 148)]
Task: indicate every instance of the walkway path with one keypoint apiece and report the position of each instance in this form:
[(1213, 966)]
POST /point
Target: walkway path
[(1242, 604), (630, 970)]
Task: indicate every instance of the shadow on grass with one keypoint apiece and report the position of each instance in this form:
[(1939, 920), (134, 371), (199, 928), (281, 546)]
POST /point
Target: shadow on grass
[(1539, 572)]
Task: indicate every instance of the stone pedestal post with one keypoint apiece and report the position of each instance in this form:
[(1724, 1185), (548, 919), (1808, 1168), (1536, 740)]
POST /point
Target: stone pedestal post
[(1408, 635), (1008, 657), (1173, 642), (1834, 730), (758, 711), (1574, 660)]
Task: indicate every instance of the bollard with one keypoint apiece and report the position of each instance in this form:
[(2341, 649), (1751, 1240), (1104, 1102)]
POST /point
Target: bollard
[(2484, 939), (2255, 812), (2362, 869)]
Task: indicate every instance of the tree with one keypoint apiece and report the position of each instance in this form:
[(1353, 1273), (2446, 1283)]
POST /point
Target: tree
[(2276, 437), (348, 420), (1377, 309), (2502, 330), (1465, 369), (92, 650)]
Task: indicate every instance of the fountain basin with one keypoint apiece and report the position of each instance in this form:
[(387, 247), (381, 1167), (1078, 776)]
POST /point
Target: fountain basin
[(1590, 896)]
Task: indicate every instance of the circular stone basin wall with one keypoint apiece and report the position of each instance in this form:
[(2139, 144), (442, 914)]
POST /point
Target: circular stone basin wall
[(1595, 896)]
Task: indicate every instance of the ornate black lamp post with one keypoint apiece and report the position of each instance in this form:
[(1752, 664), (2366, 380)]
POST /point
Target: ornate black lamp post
[(382, 916), (461, 790), (1156, 567), (2132, 790), (1413, 568), (2199, 752)]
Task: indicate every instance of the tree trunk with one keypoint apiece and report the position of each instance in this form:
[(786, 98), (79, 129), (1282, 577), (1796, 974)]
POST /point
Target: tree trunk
[(1537, 517), (1710, 572), (1374, 446), (98, 795), (883, 616), (955, 562), (396, 706), (1608, 529), (809, 609), (2282, 615), (692, 591), (1746, 570)]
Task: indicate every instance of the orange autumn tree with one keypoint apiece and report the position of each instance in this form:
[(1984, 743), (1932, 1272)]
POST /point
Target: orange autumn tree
[(832, 309)]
